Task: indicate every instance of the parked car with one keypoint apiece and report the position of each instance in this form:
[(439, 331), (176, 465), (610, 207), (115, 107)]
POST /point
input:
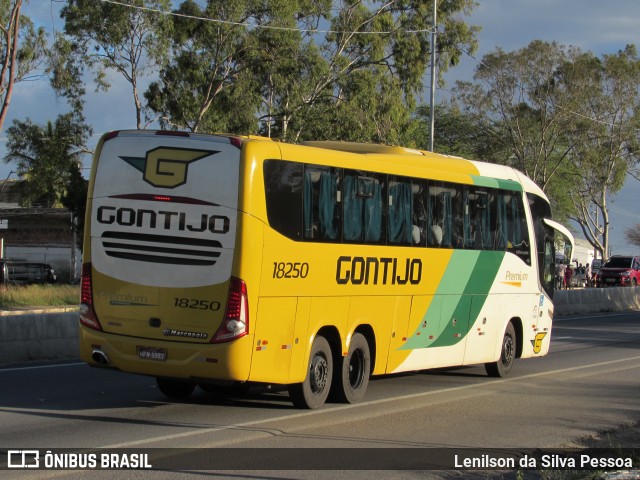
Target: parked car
[(619, 270), (13, 272)]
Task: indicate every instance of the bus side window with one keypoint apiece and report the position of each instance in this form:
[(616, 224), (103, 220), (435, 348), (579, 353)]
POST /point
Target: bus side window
[(445, 212), (283, 191), (420, 220), (399, 212), (457, 216), (468, 229), (504, 221), (362, 208), (477, 225), (321, 203), (480, 219)]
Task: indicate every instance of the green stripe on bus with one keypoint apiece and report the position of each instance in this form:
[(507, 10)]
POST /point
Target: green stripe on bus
[(496, 183), (447, 320)]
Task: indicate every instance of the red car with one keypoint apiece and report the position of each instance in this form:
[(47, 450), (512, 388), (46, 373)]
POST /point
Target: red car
[(619, 270)]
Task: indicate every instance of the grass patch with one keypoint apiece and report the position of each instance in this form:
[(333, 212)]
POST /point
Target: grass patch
[(39, 296)]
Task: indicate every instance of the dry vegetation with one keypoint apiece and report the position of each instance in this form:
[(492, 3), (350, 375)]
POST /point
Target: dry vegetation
[(39, 296)]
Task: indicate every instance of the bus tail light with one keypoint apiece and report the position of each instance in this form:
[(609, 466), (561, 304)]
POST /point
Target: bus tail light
[(88, 315), (235, 323)]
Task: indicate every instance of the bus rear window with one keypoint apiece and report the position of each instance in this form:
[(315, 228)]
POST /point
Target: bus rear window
[(283, 190)]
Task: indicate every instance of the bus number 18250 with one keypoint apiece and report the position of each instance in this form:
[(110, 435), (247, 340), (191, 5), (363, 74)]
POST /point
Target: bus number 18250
[(290, 270)]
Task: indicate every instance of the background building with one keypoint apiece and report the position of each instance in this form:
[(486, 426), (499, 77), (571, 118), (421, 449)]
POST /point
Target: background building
[(38, 234)]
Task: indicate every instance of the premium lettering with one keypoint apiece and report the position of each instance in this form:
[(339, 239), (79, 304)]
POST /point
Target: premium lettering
[(378, 271), (165, 220)]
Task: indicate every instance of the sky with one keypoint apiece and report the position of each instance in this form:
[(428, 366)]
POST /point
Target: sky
[(593, 25)]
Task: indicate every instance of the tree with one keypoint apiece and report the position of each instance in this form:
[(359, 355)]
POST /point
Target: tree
[(633, 235), (370, 71), (287, 64), (518, 102), (456, 133), (22, 50), (75, 199), (203, 87), (131, 40), (48, 157), (567, 119), (357, 80), (606, 145)]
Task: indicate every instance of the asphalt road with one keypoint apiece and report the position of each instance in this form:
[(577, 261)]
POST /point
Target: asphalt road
[(589, 382)]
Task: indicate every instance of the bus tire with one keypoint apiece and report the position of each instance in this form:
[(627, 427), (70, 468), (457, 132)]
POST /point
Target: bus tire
[(177, 389), (314, 390), (503, 366), (355, 371)]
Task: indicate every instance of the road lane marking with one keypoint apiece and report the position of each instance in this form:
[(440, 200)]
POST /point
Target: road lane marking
[(597, 315), (16, 369), (381, 401)]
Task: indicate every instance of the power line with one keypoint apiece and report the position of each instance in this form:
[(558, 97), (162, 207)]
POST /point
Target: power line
[(624, 213), (432, 30), (266, 27)]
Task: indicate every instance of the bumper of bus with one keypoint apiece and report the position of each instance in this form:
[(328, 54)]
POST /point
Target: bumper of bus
[(197, 361)]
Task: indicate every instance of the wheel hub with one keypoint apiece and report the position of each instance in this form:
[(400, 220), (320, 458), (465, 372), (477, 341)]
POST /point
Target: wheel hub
[(508, 354), (356, 369), (319, 373)]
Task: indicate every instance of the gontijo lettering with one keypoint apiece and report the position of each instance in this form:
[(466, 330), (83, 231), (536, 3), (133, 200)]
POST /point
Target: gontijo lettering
[(378, 271), (129, 217)]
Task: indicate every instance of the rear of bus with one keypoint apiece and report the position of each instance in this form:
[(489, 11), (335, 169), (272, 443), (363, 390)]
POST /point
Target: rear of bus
[(158, 295)]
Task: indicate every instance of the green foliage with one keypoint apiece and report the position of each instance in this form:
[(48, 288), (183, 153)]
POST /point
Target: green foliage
[(48, 158), (567, 119), (455, 133), (133, 42), (520, 104), (199, 88), (75, 199), (282, 77), (65, 72)]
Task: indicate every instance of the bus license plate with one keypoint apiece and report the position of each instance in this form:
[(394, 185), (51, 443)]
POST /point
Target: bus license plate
[(148, 353)]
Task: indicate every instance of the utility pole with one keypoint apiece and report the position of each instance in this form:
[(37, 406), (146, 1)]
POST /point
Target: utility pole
[(434, 34)]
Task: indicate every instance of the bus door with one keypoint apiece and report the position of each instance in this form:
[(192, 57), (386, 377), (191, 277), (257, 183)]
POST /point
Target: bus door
[(436, 333)]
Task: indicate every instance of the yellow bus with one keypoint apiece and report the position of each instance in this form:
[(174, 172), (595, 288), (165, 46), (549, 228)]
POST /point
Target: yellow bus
[(214, 259)]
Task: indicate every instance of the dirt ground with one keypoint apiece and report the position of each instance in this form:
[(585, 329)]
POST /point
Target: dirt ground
[(625, 436)]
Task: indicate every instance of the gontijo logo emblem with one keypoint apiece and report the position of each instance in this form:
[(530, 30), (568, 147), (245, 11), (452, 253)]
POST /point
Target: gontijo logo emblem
[(537, 342), (166, 167)]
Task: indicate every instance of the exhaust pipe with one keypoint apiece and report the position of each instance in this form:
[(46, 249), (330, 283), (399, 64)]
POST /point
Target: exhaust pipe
[(100, 357)]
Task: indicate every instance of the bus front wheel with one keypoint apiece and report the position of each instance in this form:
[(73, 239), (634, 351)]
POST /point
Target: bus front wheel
[(503, 366), (354, 372), (313, 392)]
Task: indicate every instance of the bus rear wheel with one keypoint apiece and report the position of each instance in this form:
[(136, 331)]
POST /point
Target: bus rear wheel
[(177, 389), (503, 366), (353, 375), (313, 392)]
